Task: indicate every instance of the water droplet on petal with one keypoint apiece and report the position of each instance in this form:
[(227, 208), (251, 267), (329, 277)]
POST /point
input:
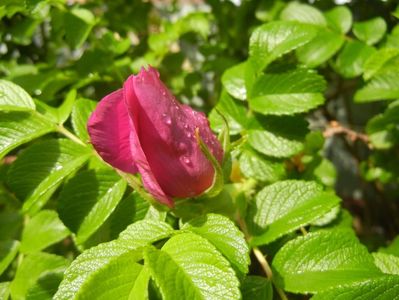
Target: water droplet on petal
[(189, 135), (186, 160), (163, 93), (182, 146)]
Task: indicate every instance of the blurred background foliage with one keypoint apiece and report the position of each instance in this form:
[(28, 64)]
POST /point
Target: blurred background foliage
[(53, 47)]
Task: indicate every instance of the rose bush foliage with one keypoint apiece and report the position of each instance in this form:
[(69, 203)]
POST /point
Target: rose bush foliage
[(134, 197)]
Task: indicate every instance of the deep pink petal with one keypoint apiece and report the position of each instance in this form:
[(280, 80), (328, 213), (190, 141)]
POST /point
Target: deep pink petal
[(109, 129), (165, 130), (149, 181)]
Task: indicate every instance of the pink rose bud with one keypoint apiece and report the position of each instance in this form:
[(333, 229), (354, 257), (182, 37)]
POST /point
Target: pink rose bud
[(142, 128)]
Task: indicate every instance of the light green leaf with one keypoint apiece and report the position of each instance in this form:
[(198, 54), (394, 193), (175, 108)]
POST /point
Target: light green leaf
[(225, 236), (321, 260), (233, 80), (387, 263), (235, 113), (381, 288), (8, 251), (339, 18), (254, 165), (287, 93), (382, 129), (88, 199), (392, 248), (274, 39), (279, 137), (352, 58), (4, 290), (189, 267), (43, 230), (256, 287), (285, 206), (97, 259), (41, 168), (370, 31), (64, 110), (384, 86), (320, 49), (140, 287), (78, 23), (31, 268), (81, 110), (13, 97), (385, 58), (17, 128), (303, 13), (116, 279)]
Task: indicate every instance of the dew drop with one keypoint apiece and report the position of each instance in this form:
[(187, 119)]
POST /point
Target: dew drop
[(185, 126), (182, 146), (186, 160), (189, 135), (163, 93)]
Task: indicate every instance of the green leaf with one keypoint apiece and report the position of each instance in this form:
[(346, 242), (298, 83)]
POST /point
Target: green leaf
[(287, 93), (234, 112), (387, 263), (13, 97), (81, 110), (8, 251), (382, 128), (285, 206), (279, 137), (88, 199), (384, 86), (41, 168), (45, 287), (381, 288), (320, 49), (96, 259), (43, 230), (225, 236), (303, 13), (189, 267), (64, 110), (256, 287), (233, 80), (31, 268), (321, 260), (339, 18), (272, 40), (262, 168), (352, 58), (17, 128), (385, 58), (4, 290), (392, 248), (116, 279), (370, 31), (78, 23)]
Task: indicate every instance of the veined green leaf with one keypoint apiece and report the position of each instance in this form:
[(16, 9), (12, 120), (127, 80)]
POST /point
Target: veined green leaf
[(287, 93), (43, 230), (18, 127), (225, 236), (91, 263), (78, 23), (384, 86), (8, 251), (285, 206), (321, 260), (31, 268), (385, 58), (81, 111), (272, 40), (256, 287), (13, 97), (4, 290), (303, 13), (387, 263), (380, 288), (189, 267), (41, 168), (88, 199), (233, 80), (45, 286)]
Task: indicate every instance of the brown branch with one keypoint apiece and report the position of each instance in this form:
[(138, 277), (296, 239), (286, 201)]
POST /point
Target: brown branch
[(336, 128)]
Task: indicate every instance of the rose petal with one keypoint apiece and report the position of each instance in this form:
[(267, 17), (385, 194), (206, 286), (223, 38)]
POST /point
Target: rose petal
[(140, 158), (165, 129), (109, 129)]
